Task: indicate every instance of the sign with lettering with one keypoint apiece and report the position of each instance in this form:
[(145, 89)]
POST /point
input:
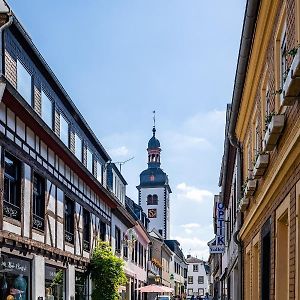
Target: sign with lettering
[(218, 244), (14, 265)]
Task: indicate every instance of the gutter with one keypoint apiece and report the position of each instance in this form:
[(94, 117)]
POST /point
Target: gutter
[(249, 25)]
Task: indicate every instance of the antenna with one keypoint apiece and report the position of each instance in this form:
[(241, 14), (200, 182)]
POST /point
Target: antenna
[(153, 118), (121, 163)]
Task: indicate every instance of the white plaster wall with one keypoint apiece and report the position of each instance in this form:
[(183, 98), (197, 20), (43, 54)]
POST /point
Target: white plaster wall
[(201, 272), (38, 276), (70, 282), (157, 223), (27, 199), (116, 222), (12, 228)]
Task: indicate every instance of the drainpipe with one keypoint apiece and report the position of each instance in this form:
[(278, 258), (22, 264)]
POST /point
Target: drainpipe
[(2, 28)]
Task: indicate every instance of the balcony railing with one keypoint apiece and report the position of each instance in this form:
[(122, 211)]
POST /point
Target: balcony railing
[(38, 222), (69, 237), (11, 210)]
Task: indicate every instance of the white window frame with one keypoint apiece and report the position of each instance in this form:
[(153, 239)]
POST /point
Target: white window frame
[(63, 119), (89, 167), (79, 139)]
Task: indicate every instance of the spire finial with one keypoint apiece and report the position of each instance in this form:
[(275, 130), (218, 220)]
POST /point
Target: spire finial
[(153, 130)]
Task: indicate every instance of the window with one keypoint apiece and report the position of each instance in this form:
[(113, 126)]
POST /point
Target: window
[(24, 82), (201, 279), (152, 199), (201, 292), (69, 220), (12, 187), (47, 110), (283, 59), (125, 247), (136, 252), (38, 202), (64, 131), (118, 240), (195, 268), (14, 276), (86, 229), (81, 285), (89, 160), (102, 231), (190, 279), (190, 292), (78, 147), (54, 283), (99, 172)]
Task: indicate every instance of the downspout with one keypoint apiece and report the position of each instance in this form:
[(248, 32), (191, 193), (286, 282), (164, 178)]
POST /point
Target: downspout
[(2, 28), (250, 18)]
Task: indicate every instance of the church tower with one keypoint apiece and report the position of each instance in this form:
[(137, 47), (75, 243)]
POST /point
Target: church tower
[(154, 190)]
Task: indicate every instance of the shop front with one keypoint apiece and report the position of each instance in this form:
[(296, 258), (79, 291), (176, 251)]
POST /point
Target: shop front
[(54, 283), (14, 278)]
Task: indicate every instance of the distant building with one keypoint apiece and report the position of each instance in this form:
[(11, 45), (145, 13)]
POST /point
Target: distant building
[(178, 269), (197, 277), (154, 190)]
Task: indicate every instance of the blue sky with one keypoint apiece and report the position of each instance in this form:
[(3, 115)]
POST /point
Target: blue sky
[(121, 59)]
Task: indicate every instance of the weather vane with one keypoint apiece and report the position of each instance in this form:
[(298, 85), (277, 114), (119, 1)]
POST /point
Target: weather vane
[(153, 118)]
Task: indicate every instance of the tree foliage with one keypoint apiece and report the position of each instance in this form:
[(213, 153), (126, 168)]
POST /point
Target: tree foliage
[(107, 272)]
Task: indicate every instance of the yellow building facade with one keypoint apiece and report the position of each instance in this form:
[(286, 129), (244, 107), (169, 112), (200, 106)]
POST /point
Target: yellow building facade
[(265, 125)]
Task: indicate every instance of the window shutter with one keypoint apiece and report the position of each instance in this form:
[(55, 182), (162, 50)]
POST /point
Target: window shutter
[(72, 141), (57, 122), (37, 100)]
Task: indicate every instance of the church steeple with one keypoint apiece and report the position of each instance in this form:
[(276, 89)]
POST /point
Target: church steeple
[(153, 151)]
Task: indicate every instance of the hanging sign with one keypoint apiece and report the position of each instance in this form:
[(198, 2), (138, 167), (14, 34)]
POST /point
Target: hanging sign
[(218, 244)]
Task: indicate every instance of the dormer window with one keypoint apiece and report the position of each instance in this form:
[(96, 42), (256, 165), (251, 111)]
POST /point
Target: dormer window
[(24, 83)]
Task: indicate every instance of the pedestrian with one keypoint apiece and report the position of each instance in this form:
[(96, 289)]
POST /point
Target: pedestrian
[(193, 297), (207, 297)]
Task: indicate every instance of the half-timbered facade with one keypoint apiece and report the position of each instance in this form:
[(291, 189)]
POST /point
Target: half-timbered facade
[(53, 204)]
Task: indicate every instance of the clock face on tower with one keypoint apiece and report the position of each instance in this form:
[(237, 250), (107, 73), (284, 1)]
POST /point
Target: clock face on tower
[(152, 213)]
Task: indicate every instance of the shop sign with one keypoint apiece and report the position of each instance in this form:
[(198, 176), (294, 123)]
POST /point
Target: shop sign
[(218, 244), (15, 265)]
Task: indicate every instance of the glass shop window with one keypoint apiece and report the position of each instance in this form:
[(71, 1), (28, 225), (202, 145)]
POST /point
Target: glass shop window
[(47, 110), (69, 220), (54, 283), (38, 200), (81, 286), (78, 147), (14, 278), (12, 187), (64, 131), (24, 83)]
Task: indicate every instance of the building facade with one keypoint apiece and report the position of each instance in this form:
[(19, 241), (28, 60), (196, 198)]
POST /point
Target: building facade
[(178, 268), (154, 190), (54, 200), (197, 277), (264, 131)]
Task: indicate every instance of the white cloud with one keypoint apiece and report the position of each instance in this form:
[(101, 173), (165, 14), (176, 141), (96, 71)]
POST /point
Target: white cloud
[(191, 225), (194, 246), (120, 151), (193, 193)]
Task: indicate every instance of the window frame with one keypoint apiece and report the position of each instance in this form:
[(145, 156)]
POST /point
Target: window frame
[(190, 279), (86, 234), (195, 268), (12, 209), (88, 150), (77, 137), (38, 215), (69, 220)]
